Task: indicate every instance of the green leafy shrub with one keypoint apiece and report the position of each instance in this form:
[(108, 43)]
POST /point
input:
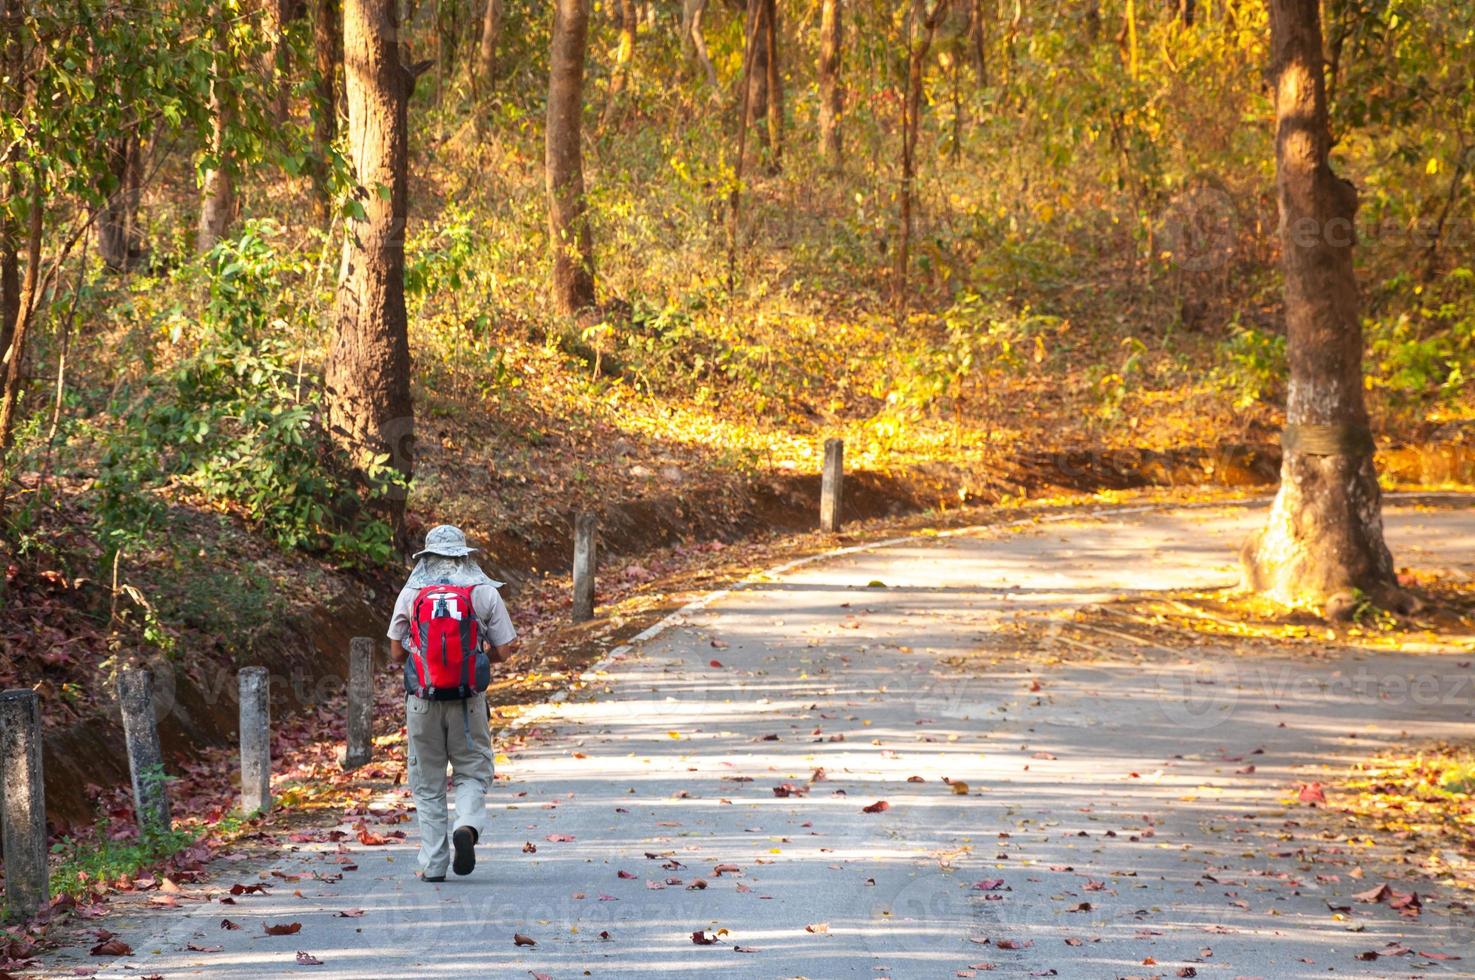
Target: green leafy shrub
[(235, 421), (1252, 364)]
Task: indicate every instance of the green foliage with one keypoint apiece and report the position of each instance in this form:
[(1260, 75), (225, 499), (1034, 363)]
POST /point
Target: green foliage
[(236, 422), (979, 338), (1252, 364), (79, 864), (1423, 353)]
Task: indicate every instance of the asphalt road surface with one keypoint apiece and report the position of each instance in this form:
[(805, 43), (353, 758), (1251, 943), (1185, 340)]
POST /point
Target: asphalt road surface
[(1057, 808)]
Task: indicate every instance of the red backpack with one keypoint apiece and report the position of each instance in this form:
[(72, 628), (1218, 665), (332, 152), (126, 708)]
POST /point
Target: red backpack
[(446, 659)]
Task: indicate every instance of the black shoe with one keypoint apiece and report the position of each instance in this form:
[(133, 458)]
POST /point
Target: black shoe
[(464, 841), (432, 878)]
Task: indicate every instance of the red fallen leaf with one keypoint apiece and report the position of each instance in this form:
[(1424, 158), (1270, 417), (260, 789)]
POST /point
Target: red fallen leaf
[(817, 927), (818, 776), (988, 884), (193, 948), (604, 935), (876, 807), (744, 949), (722, 869), (530, 848), (1081, 907), (915, 779), (624, 874), (112, 947), (1406, 904), (559, 838), (1374, 895), (696, 885), (1072, 941), (371, 839), (700, 938), (719, 644), (240, 889), (1312, 793), (1034, 685), (307, 959), (540, 976), (1246, 771), (518, 939), (282, 929), (1437, 956), (1013, 943), (1187, 971), (1044, 755), (228, 924), (349, 914), (714, 663), (789, 789)]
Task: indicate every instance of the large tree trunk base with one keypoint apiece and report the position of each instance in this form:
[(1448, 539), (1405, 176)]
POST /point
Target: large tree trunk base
[(1323, 544)]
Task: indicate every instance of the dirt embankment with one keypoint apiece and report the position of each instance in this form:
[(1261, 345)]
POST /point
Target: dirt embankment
[(307, 653)]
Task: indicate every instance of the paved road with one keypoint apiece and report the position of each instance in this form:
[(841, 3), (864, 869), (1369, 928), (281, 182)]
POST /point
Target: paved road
[(1109, 826)]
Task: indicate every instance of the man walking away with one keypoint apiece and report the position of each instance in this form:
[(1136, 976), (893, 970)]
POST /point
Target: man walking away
[(446, 619)]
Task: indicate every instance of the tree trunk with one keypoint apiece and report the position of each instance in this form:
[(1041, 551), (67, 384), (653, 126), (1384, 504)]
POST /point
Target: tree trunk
[(751, 51), (978, 41), (367, 375), (568, 222), (218, 190), (15, 353), (756, 79), (274, 65), (486, 58), (9, 282), (620, 75), (117, 223), (692, 41), (327, 47), (1323, 541), (831, 92), (773, 67), (922, 27), (14, 98)]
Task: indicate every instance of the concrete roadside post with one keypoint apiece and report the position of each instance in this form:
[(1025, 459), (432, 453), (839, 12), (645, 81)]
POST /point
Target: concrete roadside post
[(255, 739), (145, 756), (830, 485), (584, 563), (22, 803), (359, 747)]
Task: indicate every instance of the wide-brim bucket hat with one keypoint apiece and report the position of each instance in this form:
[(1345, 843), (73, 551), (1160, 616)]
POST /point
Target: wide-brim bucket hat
[(446, 540)]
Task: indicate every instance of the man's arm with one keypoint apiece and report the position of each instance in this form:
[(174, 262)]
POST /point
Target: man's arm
[(397, 652)]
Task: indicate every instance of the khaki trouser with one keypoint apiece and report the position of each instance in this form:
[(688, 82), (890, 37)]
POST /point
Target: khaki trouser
[(437, 733)]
